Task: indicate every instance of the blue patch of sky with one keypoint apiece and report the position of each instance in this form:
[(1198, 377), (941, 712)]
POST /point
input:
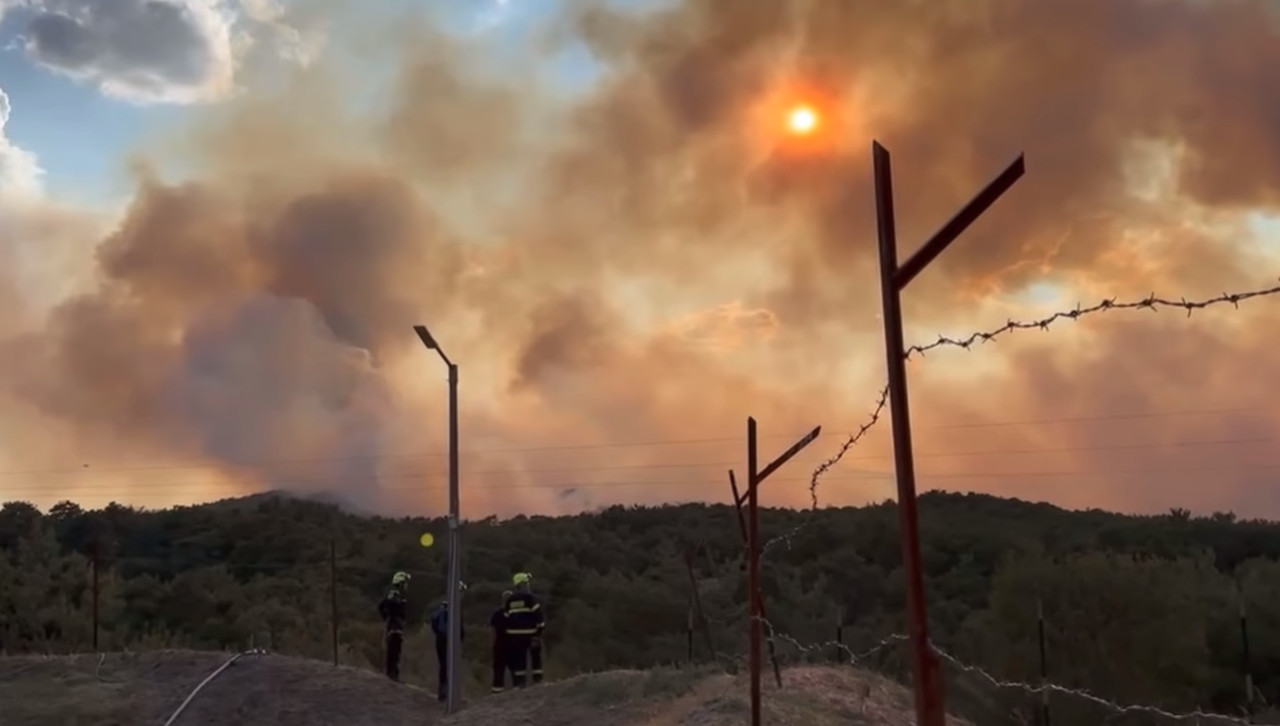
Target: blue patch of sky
[(77, 133), (506, 25), (81, 136)]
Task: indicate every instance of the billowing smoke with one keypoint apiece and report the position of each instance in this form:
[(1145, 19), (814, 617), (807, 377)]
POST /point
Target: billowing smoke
[(651, 260)]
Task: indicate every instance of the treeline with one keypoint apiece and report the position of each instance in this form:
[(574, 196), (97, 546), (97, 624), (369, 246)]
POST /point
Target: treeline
[(1135, 609)]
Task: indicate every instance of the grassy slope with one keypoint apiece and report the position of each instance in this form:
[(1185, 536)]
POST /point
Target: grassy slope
[(120, 689), (145, 688), (811, 696)]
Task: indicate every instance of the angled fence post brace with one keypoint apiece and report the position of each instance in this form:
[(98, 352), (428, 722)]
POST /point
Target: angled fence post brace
[(755, 476), (930, 702)]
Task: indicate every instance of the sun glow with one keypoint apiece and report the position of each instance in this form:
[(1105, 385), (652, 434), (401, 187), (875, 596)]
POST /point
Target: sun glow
[(802, 120)]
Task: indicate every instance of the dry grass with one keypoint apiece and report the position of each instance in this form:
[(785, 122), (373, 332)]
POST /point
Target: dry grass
[(120, 689), (145, 688), (811, 696)]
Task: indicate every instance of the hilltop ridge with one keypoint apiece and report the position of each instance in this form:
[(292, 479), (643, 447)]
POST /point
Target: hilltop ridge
[(1165, 590)]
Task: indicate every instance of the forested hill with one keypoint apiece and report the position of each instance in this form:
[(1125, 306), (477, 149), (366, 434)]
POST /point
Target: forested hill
[(1139, 609)]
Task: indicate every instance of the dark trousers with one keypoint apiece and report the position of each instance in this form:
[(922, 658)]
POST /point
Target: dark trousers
[(500, 662), (442, 661), (518, 659), (395, 639)]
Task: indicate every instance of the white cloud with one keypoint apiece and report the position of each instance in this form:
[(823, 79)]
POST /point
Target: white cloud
[(143, 50), (158, 51), (289, 31), (20, 172)]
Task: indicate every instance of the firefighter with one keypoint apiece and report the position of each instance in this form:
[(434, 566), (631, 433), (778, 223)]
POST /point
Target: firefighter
[(393, 609), (440, 629), (524, 621), (498, 621)]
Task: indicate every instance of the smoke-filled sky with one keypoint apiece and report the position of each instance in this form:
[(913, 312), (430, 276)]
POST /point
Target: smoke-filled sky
[(219, 222)]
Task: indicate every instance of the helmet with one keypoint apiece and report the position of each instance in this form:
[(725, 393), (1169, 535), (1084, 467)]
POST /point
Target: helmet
[(400, 578), (521, 578)]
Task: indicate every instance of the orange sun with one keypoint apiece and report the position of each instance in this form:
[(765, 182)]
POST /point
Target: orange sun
[(802, 120)]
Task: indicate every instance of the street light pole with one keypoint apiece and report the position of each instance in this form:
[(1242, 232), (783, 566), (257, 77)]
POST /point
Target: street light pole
[(453, 641), (455, 554)]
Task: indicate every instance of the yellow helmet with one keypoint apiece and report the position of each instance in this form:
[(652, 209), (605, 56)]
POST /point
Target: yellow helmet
[(400, 578), (521, 578)]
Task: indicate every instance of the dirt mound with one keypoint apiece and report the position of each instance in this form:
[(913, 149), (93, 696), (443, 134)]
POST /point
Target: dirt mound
[(124, 689), (810, 696)]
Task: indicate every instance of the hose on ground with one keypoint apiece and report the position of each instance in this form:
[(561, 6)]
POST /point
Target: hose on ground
[(210, 677)]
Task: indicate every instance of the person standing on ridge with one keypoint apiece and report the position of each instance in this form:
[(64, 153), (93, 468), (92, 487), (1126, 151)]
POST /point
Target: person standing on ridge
[(498, 621), (393, 609), (524, 621), (440, 629)]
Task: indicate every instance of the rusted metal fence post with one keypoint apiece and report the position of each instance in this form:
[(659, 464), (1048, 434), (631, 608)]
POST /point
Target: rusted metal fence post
[(742, 526), (755, 476), (930, 700)]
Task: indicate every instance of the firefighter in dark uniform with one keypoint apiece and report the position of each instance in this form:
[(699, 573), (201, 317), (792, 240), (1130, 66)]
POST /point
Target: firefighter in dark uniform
[(440, 629), (498, 621), (393, 610), (524, 622)]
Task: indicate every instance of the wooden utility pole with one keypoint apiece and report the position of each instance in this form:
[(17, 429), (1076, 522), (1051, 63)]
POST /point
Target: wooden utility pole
[(688, 634), (1246, 665), (333, 596), (1044, 664), (94, 565), (697, 609)]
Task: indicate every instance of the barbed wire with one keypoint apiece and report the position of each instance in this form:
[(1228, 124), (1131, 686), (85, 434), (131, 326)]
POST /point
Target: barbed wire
[(881, 401), (1116, 708), (1151, 302), (819, 648)]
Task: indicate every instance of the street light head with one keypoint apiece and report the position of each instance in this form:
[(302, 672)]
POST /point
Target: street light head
[(425, 336)]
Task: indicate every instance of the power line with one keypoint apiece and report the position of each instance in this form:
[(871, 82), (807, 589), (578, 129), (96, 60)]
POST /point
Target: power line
[(260, 463), (861, 477), (723, 464), (1103, 417)]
